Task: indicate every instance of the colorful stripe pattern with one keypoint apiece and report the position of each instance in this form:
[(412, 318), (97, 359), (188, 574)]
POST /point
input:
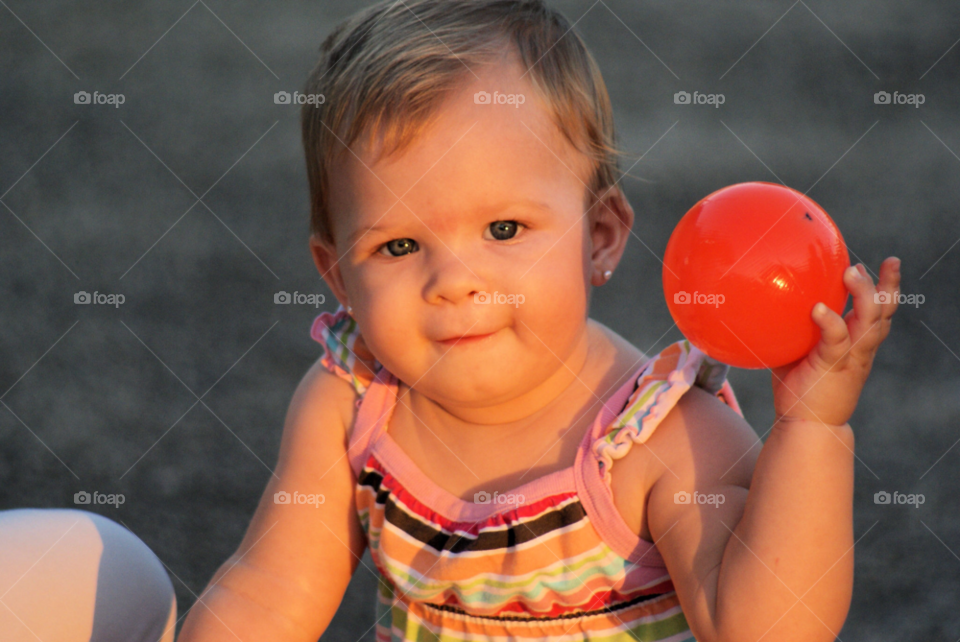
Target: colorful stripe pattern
[(453, 571), (533, 572), (663, 381)]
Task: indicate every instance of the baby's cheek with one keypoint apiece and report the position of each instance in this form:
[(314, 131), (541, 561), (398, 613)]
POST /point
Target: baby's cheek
[(555, 314), (555, 284), (555, 292), (385, 321)]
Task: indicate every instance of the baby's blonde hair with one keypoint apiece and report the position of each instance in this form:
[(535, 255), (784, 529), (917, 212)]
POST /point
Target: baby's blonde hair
[(384, 73)]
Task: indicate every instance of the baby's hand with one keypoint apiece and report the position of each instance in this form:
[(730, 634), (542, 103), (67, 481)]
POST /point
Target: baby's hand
[(825, 385)]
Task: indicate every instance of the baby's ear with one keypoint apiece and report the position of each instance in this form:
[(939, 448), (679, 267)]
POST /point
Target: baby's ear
[(325, 258), (610, 219)]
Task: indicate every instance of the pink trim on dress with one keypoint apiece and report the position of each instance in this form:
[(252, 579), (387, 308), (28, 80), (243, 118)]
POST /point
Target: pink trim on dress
[(376, 408), (448, 505), (595, 495)]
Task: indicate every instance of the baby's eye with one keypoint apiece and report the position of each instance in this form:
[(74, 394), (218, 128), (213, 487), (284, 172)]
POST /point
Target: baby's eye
[(399, 247), (504, 230)]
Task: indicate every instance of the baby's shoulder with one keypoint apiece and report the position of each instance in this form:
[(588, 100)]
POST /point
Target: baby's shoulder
[(701, 432), (700, 443), (322, 409), (321, 381), (685, 426)]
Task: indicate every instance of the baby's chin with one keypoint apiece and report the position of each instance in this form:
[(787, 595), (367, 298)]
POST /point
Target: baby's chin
[(476, 388), (476, 381)]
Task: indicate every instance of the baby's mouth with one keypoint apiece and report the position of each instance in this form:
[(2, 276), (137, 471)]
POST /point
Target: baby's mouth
[(467, 339)]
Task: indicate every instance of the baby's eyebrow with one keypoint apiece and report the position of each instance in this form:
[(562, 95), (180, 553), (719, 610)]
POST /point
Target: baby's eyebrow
[(358, 233), (528, 203)]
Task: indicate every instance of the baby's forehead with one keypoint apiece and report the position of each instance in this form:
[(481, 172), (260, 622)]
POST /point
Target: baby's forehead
[(473, 153)]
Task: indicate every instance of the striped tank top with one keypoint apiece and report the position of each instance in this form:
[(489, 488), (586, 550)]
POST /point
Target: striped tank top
[(551, 559)]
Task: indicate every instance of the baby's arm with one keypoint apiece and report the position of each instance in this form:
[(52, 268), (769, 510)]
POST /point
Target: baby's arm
[(289, 573), (775, 564)]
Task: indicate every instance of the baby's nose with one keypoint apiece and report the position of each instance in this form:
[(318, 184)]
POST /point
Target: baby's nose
[(453, 278)]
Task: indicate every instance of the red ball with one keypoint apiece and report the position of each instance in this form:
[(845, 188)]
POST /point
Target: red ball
[(744, 268)]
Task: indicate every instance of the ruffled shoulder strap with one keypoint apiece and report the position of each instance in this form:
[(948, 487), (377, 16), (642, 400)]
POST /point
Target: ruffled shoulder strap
[(344, 352), (658, 387)]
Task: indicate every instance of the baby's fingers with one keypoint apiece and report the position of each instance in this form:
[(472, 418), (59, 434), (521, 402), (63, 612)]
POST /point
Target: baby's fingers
[(864, 318), (888, 293), (834, 341)]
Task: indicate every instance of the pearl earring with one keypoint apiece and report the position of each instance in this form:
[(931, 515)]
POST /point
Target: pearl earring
[(349, 310), (607, 275)]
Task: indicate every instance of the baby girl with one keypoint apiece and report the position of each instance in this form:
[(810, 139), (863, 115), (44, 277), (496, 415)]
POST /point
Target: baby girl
[(518, 470)]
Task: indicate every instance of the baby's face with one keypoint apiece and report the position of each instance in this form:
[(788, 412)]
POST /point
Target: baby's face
[(475, 230)]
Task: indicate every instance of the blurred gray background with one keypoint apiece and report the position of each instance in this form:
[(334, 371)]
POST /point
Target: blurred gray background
[(104, 199)]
